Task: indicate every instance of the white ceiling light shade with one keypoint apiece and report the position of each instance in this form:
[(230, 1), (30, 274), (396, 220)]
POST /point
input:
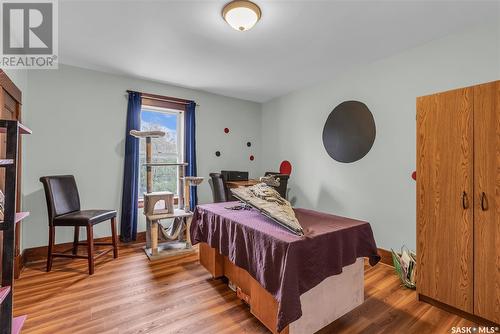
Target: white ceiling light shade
[(242, 15)]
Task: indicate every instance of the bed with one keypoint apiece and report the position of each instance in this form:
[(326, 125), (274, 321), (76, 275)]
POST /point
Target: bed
[(293, 284)]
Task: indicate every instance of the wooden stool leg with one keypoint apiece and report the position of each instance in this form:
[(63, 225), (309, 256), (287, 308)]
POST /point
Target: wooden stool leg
[(76, 239), (114, 236), (51, 247), (90, 248)]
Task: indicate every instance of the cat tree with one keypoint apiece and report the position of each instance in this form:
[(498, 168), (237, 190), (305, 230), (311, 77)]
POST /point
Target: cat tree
[(159, 206)]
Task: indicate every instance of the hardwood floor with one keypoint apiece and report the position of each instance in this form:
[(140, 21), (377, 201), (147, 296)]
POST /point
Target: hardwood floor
[(176, 295)]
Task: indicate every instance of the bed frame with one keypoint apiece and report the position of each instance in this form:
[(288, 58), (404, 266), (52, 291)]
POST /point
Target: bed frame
[(321, 305)]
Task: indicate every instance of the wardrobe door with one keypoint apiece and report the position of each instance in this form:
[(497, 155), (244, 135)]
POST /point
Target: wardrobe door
[(487, 203), (445, 197)]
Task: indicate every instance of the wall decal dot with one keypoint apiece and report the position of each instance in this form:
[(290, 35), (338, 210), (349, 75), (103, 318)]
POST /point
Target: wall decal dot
[(252, 158), (226, 130), (414, 175), (217, 153), (286, 167), (249, 144)]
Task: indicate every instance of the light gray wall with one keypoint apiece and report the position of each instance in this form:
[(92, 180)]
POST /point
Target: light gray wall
[(78, 122), (377, 188)]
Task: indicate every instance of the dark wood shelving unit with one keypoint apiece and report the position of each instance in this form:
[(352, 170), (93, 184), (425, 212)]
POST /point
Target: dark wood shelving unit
[(12, 129)]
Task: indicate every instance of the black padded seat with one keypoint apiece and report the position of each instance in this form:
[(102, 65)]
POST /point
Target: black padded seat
[(84, 217)]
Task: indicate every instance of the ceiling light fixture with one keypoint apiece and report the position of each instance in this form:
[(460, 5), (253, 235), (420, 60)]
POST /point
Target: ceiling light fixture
[(242, 15)]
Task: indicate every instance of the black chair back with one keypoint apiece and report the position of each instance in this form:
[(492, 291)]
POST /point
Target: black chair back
[(281, 189), (61, 195), (233, 175), (218, 187)]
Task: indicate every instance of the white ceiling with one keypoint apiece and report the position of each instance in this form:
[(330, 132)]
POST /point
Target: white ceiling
[(296, 43)]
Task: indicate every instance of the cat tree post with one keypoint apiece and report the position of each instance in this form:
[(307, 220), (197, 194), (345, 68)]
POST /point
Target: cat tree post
[(181, 172), (151, 225), (149, 169)]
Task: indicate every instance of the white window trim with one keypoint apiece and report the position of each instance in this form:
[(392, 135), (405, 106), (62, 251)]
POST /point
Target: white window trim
[(180, 136)]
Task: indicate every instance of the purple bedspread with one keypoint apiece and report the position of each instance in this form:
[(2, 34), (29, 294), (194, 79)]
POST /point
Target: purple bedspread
[(285, 264)]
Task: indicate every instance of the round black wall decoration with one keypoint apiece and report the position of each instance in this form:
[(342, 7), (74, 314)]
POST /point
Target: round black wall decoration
[(349, 132)]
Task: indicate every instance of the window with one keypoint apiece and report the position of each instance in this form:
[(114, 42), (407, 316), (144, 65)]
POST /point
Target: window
[(166, 149)]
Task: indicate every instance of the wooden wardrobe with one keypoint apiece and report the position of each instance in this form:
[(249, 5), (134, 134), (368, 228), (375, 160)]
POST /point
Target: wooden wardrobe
[(458, 199)]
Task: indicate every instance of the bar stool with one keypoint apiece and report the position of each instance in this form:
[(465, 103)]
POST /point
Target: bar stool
[(63, 206)]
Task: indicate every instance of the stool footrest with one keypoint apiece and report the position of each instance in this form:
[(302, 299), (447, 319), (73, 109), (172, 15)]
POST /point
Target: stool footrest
[(96, 243), (71, 256)]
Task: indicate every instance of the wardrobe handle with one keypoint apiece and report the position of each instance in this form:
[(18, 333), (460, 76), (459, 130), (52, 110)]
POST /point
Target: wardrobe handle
[(484, 202), (465, 201)]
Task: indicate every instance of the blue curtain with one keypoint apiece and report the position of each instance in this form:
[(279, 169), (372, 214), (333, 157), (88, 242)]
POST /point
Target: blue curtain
[(190, 154), (128, 222)]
